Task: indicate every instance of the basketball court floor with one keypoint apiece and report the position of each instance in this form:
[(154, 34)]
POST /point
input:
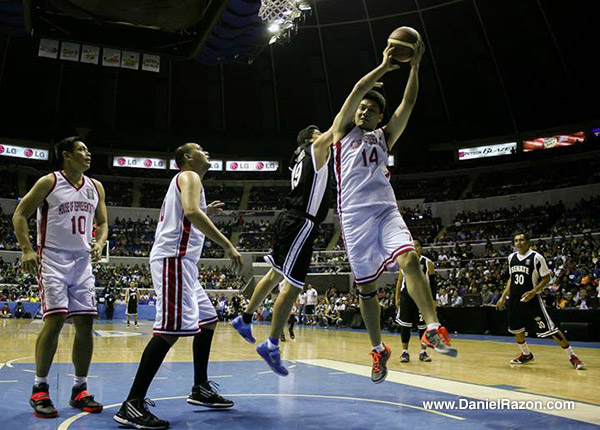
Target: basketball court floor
[(328, 387)]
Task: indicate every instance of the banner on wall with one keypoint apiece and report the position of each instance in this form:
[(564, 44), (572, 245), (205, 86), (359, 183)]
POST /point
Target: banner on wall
[(215, 165), (139, 162), (90, 54), (23, 152), (553, 141), (111, 57), (252, 166), (130, 60), (48, 48), (151, 63), (487, 151), (69, 51)]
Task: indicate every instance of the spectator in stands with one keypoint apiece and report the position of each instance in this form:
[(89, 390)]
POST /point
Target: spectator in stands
[(19, 311), (456, 299), (5, 311), (582, 303), (486, 295), (442, 297)]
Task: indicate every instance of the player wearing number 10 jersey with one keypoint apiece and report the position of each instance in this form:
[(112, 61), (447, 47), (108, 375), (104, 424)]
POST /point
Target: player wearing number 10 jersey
[(67, 202)]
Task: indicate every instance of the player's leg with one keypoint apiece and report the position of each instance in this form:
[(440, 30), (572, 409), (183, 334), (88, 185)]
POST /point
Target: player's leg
[(264, 287), (435, 336), (371, 315), (83, 347), (562, 341), (127, 318), (405, 337), (517, 316), (204, 392), (292, 322), (135, 318), (269, 349)]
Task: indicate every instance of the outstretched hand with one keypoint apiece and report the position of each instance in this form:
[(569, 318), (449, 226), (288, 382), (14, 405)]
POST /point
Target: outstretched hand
[(418, 54), (388, 63), (215, 208)]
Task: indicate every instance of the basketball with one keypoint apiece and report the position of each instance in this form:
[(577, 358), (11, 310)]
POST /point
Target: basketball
[(403, 39)]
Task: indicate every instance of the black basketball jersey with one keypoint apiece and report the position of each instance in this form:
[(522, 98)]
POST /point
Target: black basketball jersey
[(133, 296), (311, 189), (423, 261), (526, 271)]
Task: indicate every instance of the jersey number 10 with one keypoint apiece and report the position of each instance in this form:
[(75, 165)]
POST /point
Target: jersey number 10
[(78, 225)]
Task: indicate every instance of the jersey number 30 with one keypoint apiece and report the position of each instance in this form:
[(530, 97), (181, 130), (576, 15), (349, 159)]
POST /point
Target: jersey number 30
[(519, 279)]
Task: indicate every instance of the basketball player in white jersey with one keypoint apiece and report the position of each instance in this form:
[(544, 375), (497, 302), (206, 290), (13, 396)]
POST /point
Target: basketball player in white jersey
[(182, 306), (67, 202), (374, 232)]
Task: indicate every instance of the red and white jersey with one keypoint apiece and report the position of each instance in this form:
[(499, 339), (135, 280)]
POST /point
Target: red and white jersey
[(65, 220), (361, 159), (175, 234)]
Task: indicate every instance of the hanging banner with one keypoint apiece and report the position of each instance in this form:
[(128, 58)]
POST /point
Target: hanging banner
[(252, 166), (130, 60), (215, 165), (69, 51), (151, 63), (48, 48), (553, 141), (90, 54), (487, 151), (140, 162), (111, 57), (23, 152)]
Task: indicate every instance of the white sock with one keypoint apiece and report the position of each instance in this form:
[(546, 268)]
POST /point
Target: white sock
[(569, 351), (524, 348), (272, 345), (40, 380), (405, 350), (78, 381), (433, 326), (379, 348)]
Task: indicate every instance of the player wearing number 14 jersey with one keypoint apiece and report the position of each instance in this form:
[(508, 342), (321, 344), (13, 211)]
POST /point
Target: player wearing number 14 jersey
[(529, 275), (67, 202), (375, 235)]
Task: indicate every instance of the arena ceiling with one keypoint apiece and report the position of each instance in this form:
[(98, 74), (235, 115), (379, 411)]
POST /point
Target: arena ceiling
[(493, 69)]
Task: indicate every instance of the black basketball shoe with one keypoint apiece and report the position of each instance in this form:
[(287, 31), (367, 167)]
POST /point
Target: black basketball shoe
[(205, 394), (82, 399), (41, 403), (522, 359), (134, 413)]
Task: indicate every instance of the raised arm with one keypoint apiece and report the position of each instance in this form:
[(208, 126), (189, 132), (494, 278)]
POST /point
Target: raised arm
[(32, 200), (321, 147), (101, 223), (397, 123), (343, 120), (191, 188)]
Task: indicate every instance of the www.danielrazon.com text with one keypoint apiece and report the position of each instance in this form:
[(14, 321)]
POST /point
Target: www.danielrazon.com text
[(499, 404)]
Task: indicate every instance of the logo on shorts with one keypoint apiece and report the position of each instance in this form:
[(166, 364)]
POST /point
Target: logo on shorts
[(90, 193)]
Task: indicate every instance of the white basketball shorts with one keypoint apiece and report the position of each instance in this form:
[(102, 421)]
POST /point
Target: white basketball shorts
[(373, 242), (66, 283), (182, 306)]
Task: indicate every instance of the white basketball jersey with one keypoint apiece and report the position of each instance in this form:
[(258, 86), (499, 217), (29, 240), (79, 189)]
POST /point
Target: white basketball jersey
[(361, 159), (65, 220), (175, 234)]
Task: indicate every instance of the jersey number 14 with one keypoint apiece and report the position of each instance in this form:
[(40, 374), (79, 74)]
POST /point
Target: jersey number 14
[(373, 158)]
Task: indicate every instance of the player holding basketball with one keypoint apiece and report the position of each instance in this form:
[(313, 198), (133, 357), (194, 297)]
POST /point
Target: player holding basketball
[(374, 232), (408, 312), (295, 231), (182, 306), (67, 202), (529, 275)]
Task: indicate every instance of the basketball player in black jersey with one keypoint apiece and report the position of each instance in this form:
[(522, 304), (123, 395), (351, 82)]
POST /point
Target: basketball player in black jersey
[(529, 275), (408, 311), (131, 300), (295, 231)]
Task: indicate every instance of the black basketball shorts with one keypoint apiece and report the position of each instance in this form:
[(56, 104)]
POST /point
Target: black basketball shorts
[(530, 317), (293, 247), (408, 312)]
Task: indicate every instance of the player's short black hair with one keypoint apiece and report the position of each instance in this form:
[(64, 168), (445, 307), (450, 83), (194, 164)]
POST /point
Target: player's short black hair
[(418, 239), (67, 144), (377, 97), (305, 134), (180, 154), (519, 233)]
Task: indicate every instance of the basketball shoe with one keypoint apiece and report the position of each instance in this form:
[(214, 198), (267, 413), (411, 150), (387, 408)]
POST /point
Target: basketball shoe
[(405, 357), (439, 339), (41, 403), (134, 413), (205, 394), (272, 357), (380, 359), (522, 359), (245, 330), (82, 399), (424, 357), (577, 363)]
